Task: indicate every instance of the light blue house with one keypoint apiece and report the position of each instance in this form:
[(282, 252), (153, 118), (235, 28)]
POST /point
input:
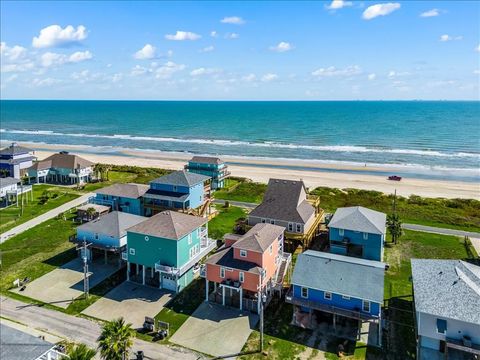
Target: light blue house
[(342, 286), (122, 197), (358, 231), (164, 251), (212, 167), (179, 190), (447, 309), (107, 234), (14, 160)]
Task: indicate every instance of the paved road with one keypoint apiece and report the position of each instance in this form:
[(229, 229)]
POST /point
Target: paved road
[(44, 217), (236, 203), (80, 330)]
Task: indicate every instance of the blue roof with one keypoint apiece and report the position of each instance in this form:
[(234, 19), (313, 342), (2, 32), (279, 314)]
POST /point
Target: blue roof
[(338, 274)]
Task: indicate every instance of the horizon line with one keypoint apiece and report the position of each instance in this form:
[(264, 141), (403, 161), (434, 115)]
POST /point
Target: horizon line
[(251, 100)]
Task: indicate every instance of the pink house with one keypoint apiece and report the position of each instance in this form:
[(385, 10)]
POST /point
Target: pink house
[(246, 267)]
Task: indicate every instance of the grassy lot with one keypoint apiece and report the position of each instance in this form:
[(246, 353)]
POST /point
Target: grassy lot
[(448, 213), (245, 191), (11, 216), (37, 251), (225, 221)]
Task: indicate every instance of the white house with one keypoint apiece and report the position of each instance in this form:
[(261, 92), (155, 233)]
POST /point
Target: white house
[(447, 308)]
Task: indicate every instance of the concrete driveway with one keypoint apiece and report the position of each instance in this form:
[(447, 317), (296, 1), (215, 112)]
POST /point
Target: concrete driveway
[(64, 284), (215, 330), (131, 301)]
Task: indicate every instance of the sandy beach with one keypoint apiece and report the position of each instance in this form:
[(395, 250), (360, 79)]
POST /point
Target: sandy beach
[(262, 170)]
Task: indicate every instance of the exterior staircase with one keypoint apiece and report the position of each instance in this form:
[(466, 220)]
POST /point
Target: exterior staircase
[(282, 271)]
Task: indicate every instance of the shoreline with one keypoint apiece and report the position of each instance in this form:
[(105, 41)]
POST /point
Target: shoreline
[(261, 170)]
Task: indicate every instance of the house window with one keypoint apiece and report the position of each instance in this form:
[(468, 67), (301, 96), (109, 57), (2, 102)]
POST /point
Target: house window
[(243, 253), (189, 239), (272, 222), (345, 297), (174, 189), (241, 276), (365, 236), (147, 238), (304, 293), (132, 251), (366, 306), (264, 221), (327, 295), (270, 249), (222, 272), (441, 326), (341, 232), (299, 228), (96, 236), (290, 227)]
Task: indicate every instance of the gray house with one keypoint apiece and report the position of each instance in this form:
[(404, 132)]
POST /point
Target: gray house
[(447, 308), (287, 204)]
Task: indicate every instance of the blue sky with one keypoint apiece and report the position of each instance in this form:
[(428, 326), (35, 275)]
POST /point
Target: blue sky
[(320, 50)]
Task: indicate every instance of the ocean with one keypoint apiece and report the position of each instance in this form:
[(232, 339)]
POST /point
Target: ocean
[(423, 138)]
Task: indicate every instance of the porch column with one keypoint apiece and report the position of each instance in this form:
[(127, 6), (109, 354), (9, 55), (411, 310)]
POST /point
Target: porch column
[(223, 295), (241, 299), (128, 271), (259, 298), (151, 272), (380, 330), (136, 272), (206, 290), (334, 323), (106, 257), (160, 280), (215, 286), (143, 275)]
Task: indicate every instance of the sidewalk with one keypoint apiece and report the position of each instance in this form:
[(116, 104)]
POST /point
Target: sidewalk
[(44, 217)]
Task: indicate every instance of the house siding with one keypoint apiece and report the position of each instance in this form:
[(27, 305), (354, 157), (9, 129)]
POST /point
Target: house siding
[(120, 203), (103, 240), (147, 253), (372, 246), (253, 220), (251, 280), (212, 170)]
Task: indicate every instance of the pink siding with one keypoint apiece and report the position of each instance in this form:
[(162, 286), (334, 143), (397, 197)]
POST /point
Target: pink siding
[(268, 260), (229, 242), (251, 280), (252, 256)]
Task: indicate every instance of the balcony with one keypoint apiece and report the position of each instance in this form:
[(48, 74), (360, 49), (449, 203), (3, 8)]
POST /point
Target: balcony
[(353, 314), (166, 269)]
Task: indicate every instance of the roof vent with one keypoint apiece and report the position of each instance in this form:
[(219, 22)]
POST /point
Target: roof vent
[(63, 152)]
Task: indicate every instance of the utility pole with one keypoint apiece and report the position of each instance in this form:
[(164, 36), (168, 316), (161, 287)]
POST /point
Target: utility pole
[(84, 248), (261, 309)]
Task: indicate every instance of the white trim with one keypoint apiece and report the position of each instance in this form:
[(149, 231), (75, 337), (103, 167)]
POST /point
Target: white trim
[(244, 252), (365, 236), (301, 292), (241, 276), (329, 297), (222, 272), (341, 232), (345, 297), (364, 302)]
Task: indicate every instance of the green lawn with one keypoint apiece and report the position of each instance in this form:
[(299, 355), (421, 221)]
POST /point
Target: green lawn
[(245, 191), (225, 221), (37, 251), (11, 216)]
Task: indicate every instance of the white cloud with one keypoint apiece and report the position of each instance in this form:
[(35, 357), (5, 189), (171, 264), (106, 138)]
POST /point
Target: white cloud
[(145, 53), (182, 35), (282, 47), (447, 37), (204, 71), (394, 74), (232, 36), (54, 35), (372, 76), (338, 4), (249, 78), (207, 49), (333, 71), (430, 13), (476, 72), (80, 56), (49, 59), (139, 70), (380, 10), (15, 59), (213, 34), (168, 69), (269, 77), (236, 20), (44, 82), (12, 53), (477, 49)]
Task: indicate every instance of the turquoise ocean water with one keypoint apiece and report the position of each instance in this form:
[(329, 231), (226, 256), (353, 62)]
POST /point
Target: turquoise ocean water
[(426, 138)]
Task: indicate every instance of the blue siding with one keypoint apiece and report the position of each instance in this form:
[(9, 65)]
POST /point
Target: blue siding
[(196, 196), (194, 199), (128, 205), (372, 246), (103, 240), (337, 300), (212, 170)]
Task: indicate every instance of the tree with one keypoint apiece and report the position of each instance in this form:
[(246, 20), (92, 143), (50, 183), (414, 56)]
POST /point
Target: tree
[(394, 225), (90, 213), (116, 340), (81, 352)]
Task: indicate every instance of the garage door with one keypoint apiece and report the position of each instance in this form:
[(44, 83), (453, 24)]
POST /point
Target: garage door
[(169, 283)]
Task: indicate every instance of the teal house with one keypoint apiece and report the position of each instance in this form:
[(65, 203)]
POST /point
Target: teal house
[(358, 231), (179, 190), (164, 251), (212, 167), (122, 197)]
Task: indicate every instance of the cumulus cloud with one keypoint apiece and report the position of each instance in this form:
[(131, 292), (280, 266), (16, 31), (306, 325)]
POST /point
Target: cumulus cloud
[(15, 58), (338, 4), (446, 37), (249, 78), (476, 72), (232, 36), (269, 77), (372, 76), (54, 36), (376, 10), (394, 74), (204, 71), (236, 20), (207, 49), (145, 53), (430, 13), (182, 35), (333, 71), (213, 34), (80, 56), (50, 59), (282, 47), (168, 69), (12, 53), (477, 49), (44, 82)]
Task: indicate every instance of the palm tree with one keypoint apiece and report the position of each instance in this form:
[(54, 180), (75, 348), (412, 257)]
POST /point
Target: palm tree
[(90, 213), (81, 352), (116, 340), (394, 225)]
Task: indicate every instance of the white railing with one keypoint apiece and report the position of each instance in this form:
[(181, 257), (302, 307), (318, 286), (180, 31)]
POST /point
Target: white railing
[(124, 256), (203, 233), (165, 269)]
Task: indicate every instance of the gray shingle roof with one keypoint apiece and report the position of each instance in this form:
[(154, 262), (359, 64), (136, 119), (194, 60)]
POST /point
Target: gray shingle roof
[(358, 218), (206, 160), (130, 190), (447, 288), (8, 181), (181, 178), (224, 257), (113, 224), (344, 275), (285, 200), (17, 345), (62, 160), (259, 237), (169, 225), (15, 149)]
